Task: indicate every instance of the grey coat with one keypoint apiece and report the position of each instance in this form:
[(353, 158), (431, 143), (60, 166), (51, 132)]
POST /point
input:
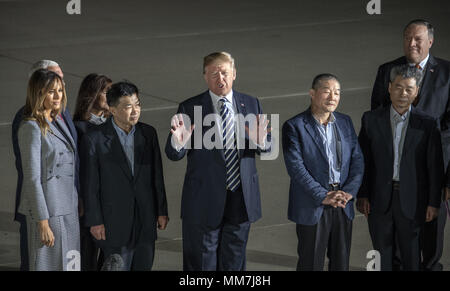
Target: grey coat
[(49, 192)]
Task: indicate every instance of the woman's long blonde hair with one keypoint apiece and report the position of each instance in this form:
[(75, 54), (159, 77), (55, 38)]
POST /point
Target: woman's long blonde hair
[(40, 83)]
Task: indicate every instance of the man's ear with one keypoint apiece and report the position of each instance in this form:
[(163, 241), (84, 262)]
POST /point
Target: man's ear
[(112, 110), (431, 42), (417, 91), (234, 74), (389, 88), (312, 92)]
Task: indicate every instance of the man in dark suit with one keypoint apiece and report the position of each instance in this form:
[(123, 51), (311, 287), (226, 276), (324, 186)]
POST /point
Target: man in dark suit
[(51, 66), (221, 191), (325, 163), (433, 99), (122, 182), (403, 174)]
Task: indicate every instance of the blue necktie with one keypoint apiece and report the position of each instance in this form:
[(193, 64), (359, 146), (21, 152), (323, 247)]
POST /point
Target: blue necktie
[(229, 146)]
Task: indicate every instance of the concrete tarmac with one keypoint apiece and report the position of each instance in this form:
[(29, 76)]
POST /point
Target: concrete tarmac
[(279, 46)]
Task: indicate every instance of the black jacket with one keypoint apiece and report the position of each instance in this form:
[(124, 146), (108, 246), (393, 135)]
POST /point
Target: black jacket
[(433, 95), (421, 165), (124, 203)]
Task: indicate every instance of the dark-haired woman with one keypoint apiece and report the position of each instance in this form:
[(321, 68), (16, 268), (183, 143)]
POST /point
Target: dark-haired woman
[(91, 110)]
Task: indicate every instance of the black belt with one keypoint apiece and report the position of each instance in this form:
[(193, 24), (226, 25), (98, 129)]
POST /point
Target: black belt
[(334, 187), (395, 185)]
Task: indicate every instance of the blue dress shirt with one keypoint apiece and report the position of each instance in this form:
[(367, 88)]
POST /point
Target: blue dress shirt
[(127, 142)]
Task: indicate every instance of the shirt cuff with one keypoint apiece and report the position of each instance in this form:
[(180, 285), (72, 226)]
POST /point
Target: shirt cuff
[(176, 145), (261, 147)]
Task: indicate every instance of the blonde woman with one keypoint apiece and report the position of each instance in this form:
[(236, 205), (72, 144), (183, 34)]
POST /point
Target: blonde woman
[(49, 198)]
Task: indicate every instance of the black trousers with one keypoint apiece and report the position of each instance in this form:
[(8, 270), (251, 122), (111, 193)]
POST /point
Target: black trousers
[(432, 241), (385, 228), (138, 258), (222, 247), (24, 259), (91, 255), (331, 236)]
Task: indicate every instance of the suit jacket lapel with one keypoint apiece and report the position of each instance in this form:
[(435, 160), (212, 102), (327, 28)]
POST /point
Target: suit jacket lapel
[(242, 110), (113, 143), (429, 78), (386, 130), (341, 143), (414, 125), (310, 126), (140, 146), (207, 106), (57, 133), (65, 128), (69, 123)]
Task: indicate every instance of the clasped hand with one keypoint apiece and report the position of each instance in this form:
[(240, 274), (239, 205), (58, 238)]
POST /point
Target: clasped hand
[(337, 198)]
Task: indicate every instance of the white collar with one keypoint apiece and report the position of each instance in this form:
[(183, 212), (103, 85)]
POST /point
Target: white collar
[(402, 117), (215, 97), (422, 64)]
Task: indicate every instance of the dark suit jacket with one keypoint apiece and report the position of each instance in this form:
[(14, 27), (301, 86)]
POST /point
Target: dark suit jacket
[(307, 164), (447, 176), (15, 127), (421, 165), (111, 192), (433, 95), (204, 189), (83, 126)]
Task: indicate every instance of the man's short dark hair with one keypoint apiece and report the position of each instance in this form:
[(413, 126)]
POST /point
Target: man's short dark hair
[(406, 72), (120, 89), (322, 77), (423, 22)]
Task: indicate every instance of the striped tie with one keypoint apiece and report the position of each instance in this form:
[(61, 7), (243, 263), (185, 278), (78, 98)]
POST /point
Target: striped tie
[(229, 146)]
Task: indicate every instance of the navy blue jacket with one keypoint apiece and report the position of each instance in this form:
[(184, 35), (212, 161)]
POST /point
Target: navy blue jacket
[(204, 189), (307, 164)]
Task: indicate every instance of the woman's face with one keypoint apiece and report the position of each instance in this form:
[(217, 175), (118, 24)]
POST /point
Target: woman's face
[(54, 97), (102, 104)]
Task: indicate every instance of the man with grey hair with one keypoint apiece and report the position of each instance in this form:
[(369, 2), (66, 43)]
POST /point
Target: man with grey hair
[(48, 65), (404, 170), (51, 66), (432, 99)]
